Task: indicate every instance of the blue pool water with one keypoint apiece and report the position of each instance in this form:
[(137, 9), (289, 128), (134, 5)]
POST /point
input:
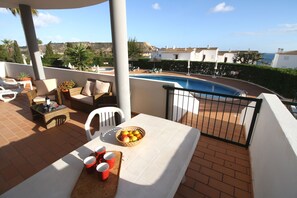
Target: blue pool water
[(195, 84)]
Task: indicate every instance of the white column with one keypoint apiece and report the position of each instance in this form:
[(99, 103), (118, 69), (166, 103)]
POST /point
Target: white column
[(27, 21), (120, 54)]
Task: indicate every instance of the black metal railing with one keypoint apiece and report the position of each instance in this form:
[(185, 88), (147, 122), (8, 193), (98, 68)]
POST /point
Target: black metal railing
[(291, 106), (225, 117)]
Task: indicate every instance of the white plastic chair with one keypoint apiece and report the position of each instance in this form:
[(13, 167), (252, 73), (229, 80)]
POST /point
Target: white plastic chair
[(7, 95), (106, 122)]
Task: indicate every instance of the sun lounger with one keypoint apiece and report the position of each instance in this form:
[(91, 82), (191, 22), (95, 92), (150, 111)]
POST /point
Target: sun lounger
[(7, 95), (11, 84)]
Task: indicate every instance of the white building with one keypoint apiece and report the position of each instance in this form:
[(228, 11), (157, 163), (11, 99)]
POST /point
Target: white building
[(226, 56), (207, 54), (193, 54), (286, 59)]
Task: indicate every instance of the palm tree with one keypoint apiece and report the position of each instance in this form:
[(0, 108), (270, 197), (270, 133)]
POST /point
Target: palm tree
[(8, 45), (79, 56), (134, 49), (16, 11)]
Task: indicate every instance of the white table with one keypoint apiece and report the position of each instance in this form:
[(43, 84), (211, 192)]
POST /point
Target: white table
[(154, 168)]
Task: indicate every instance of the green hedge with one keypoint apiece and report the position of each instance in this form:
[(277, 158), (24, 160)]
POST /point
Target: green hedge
[(282, 81)]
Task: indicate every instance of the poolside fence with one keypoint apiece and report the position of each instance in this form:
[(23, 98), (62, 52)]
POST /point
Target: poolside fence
[(224, 117)]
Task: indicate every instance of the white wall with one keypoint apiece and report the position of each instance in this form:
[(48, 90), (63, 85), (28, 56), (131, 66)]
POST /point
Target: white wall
[(275, 60), (168, 56), (13, 69), (246, 117), (210, 55), (2, 69), (284, 61), (184, 56), (147, 96), (77, 76), (273, 151), (171, 55), (182, 102), (230, 56)]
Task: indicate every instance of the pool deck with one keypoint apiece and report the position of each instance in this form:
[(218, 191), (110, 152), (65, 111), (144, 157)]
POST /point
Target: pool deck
[(252, 90)]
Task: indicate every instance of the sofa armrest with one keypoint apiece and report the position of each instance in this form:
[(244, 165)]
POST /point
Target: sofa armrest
[(105, 99), (75, 91), (97, 96), (58, 96), (31, 95)]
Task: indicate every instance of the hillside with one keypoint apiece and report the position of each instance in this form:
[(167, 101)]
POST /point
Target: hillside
[(59, 48)]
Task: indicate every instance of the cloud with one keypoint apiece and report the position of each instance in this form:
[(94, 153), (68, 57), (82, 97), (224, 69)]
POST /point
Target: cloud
[(156, 6), (288, 27), (222, 7), (44, 19), (280, 29), (3, 11)]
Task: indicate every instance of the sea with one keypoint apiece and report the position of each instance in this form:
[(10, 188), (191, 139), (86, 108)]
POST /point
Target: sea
[(266, 59)]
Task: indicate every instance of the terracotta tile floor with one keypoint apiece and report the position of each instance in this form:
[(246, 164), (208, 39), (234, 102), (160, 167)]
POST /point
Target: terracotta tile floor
[(27, 147), (217, 169)]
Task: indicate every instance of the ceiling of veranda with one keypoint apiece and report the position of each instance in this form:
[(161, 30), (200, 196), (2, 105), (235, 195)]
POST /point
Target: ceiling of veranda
[(50, 4)]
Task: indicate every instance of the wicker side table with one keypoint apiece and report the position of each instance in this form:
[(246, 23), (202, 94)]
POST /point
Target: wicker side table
[(55, 117)]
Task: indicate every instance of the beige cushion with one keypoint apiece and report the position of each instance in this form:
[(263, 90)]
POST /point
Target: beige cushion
[(83, 99), (101, 87), (39, 99), (45, 87), (88, 88)]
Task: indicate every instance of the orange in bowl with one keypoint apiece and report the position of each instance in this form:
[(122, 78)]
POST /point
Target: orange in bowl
[(133, 133)]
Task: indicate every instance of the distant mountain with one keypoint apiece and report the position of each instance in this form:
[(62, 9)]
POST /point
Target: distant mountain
[(59, 48)]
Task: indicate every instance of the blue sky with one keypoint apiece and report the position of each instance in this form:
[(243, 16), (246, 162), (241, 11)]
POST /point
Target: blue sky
[(262, 25)]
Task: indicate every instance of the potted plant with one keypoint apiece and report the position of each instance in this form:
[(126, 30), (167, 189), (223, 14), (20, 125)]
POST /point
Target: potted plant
[(23, 76), (65, 86)]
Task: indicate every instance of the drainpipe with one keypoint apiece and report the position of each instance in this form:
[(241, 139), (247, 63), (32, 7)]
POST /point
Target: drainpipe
[(28, 26), (120, 52)]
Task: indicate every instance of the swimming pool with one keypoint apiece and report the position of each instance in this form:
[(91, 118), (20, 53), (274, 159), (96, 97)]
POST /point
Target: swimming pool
[(195, 84)]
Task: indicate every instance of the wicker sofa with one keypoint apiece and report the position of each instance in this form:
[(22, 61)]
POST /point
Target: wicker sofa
[(47, 87), (96, 93)]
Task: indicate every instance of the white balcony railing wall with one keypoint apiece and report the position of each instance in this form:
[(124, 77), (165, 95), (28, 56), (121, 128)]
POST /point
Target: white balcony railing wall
[(141, 90), (273, 150)]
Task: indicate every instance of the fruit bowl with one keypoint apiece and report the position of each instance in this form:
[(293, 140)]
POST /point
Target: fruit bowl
[(130, 136)]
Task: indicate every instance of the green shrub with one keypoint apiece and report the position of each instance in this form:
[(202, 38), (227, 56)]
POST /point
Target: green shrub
[(282, 81)]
